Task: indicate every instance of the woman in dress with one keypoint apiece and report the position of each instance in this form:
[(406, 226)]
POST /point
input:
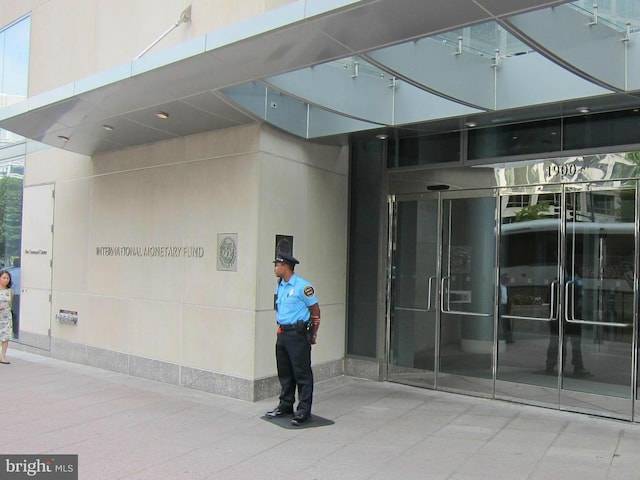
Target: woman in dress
[(6, 297)]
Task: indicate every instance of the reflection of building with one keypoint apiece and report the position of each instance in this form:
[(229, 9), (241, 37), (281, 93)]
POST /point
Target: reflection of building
[(12, 168), (8, 138), (260, 120), (592, 205)]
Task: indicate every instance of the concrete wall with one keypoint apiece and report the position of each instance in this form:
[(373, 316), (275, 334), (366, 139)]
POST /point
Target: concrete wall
[(171, 317), (72, 39), (303, 192), (179, 312)]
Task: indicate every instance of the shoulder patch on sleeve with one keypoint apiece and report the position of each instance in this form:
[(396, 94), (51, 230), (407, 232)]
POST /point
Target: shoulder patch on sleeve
[(309, 291)]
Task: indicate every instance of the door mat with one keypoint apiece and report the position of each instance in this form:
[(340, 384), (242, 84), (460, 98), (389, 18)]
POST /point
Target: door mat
[(285, 422)]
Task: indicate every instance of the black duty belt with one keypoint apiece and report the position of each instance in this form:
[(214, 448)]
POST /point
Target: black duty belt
[(286, 328)]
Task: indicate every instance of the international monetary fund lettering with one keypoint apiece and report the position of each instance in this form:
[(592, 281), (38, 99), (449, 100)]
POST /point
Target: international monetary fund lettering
[(150, 251)]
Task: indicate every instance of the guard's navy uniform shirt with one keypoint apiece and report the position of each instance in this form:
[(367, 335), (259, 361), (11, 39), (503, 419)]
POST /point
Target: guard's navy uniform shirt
[(293, 299)]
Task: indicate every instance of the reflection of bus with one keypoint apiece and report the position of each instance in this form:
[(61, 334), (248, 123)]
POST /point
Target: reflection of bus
[(600, 254), (592, 206)]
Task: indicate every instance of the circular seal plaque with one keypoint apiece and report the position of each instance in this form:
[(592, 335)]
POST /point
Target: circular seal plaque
[(227, 252)]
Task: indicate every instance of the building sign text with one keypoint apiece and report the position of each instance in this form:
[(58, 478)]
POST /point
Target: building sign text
[(150, 251)]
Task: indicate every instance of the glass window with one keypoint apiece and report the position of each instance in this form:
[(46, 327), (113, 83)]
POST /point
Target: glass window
[(518, 201), (602, 130), (11, 176), (424, 150), (516, 139), (14, 70), (603, 204), (365, 191)]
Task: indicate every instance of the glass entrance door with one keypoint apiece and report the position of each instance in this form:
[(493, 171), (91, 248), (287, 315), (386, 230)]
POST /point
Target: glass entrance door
[(567, 272), (442, 291), (529, 295), (412, 286), (521, 293), (467, 293)]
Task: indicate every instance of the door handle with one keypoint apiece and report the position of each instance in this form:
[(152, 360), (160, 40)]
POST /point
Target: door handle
[(580, 321), (430, 308)]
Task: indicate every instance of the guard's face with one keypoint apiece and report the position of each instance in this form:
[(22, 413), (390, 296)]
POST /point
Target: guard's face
[(279, 269)]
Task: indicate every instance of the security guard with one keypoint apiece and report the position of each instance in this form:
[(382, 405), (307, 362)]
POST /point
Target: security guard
[(298, 315)]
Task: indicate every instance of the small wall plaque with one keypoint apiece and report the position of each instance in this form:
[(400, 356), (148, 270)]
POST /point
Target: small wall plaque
[(67, 317), (228, 252), (284, 244)]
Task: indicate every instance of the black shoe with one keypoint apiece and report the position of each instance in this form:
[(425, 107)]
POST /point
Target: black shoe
[(278, 412), (580, 372), (300, 418)]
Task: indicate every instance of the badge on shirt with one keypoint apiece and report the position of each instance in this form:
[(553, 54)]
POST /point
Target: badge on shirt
[(292, 292), (308, 291)]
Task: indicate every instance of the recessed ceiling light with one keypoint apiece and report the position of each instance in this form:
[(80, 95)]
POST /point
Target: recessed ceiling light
[(471, 124), (382, 136), (162, 115), (583, 109), (63, 138), (107, 127)]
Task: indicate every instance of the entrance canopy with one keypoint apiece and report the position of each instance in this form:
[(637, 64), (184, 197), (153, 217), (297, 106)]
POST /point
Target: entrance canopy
[(321, 69)]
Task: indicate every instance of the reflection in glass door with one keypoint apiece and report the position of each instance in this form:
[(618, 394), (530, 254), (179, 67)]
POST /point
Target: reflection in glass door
[(567, 270), (467, 293), (442, 294), (598, 299), (550, 321), (529, 279), (413, 281)]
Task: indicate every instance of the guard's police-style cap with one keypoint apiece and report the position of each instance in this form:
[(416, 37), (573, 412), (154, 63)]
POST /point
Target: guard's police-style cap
[(286, 258)]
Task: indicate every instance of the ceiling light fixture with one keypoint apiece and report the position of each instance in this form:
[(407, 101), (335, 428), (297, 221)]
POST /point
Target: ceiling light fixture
[(107, 127), (471, 124), (583, 109), (63, 138), (163, 115), (382, 136)]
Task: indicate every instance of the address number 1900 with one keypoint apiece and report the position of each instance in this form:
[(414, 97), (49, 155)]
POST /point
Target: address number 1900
[(563, 170)]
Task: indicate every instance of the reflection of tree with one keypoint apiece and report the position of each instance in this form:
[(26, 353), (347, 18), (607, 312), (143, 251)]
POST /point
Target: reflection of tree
[(635, 158), (532, 212), (626, 211), (10, 217)]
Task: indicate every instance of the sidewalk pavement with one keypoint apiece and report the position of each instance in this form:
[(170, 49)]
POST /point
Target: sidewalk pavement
[(123, 427)]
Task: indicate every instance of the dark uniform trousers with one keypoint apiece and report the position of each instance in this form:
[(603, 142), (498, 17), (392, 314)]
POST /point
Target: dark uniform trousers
[(573, 332), (293, 359)]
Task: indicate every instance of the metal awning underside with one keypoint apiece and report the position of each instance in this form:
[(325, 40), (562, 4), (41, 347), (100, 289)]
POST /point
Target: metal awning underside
[(323, 68)]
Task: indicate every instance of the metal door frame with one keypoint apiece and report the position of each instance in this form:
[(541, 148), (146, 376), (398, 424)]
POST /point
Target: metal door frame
[(566, 311), (392, 202), (435, 302), (562, 309)]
